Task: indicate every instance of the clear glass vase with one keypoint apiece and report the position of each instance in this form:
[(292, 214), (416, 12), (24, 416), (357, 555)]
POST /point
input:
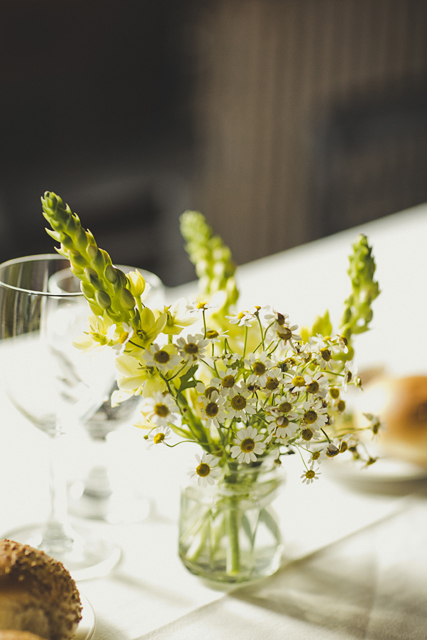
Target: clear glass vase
[(229, 531)]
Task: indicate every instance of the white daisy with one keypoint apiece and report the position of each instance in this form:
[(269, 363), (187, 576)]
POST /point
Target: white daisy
[(318, 452), (283, 405), (212, 409), (158, 436), (310, 475), (282, 427), (164, 358), (350, 375), (242, 319), (206, 391), (260, 364), (323, 354), (206, 470), (274, 381), (317, 385), (228, 381), (280, 329), (342, 343), (215, 336), (277, 318), (247, 445), (192, 348), (295, 382), (239, 405), (159, 408), (315, 416), (198, 307)]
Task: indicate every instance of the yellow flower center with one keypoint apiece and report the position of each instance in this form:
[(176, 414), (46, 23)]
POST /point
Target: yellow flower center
[(247, 445), (280, 319), (298, 381), (334, 393), (313, 387), (285, 333), (272, 384), (259, 368), (191, 348), (209, 391), (211, 333), (306, 434), (284, 407), (161, 356), (228, 381), (341, 406), (238, 402), (332, 451), (284, 421), (316, 455), (203, 470), (326, 354), (158, 438), (310, 416), (161, 410), (123, 337), (310, 474), (212, 409)]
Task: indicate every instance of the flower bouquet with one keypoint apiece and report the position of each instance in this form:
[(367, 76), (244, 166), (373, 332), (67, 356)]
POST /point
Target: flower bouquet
[(248, 387)]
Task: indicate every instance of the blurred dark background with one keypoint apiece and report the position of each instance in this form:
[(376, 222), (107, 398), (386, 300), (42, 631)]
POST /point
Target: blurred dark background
[(281, 120)]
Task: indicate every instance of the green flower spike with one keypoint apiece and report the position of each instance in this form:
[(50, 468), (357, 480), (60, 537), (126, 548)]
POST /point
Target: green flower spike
[(212, 260), (357, 308), (106, 288)]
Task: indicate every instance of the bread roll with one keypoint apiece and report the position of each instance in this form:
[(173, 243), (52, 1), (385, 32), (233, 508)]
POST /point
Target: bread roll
[(401, 404), (37, 593), (10, 634)]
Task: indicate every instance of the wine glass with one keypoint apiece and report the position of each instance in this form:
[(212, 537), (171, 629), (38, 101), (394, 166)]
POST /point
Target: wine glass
[(56, 387), (100, 495)]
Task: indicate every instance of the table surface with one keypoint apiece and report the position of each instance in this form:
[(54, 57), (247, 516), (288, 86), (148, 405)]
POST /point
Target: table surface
[(356, 559)]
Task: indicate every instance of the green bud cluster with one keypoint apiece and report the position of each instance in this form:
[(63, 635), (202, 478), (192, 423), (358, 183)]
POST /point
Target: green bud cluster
[(358, 306), (322, 325), (106, 288), (211, 257)]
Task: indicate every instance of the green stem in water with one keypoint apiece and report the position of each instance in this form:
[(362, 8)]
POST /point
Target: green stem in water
[(233, 559)]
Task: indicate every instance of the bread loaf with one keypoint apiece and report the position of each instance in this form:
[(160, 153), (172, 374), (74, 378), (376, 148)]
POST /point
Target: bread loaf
[(37, 594), (401, 404)]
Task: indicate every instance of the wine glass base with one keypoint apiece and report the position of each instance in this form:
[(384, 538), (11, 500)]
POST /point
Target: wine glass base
[(118, 507), (86, 557)]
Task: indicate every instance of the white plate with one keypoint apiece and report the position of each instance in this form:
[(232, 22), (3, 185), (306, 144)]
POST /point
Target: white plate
[(384, 471), (87, 624)]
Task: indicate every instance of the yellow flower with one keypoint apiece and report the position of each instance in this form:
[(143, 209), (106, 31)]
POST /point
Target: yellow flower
[(178, 318), (150, 327), (136, 378), (136, 283), (101, 333)]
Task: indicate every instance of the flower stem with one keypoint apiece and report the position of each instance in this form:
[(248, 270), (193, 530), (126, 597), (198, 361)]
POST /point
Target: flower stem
[(233, 559)]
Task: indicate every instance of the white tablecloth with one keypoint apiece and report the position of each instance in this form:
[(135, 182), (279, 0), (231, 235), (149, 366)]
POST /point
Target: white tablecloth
[(356, 559)]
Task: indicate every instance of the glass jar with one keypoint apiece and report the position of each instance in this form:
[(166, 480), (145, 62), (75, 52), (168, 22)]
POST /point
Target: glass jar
[(229, 532)]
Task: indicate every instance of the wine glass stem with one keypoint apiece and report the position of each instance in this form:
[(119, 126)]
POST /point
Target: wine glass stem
[(57, 534)]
